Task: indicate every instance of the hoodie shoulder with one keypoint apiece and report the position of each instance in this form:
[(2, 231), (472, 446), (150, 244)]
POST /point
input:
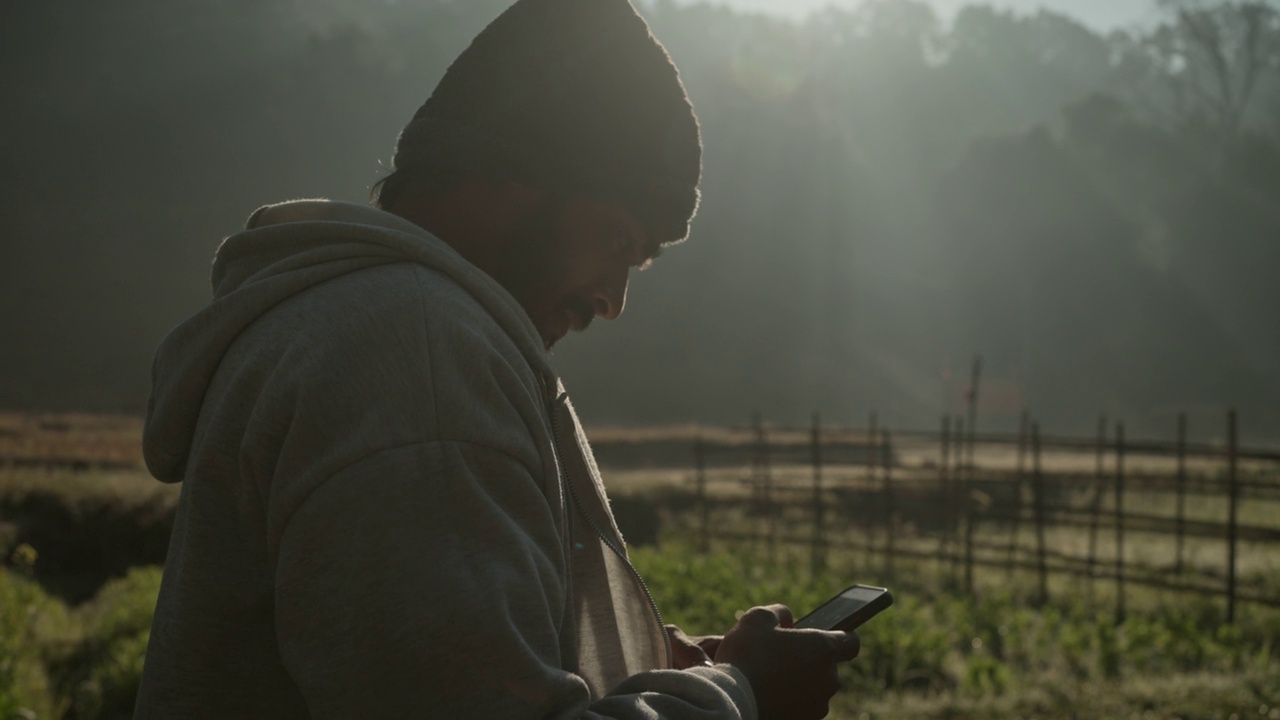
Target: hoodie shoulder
[(391, 356), (342, 302), (406, 337)]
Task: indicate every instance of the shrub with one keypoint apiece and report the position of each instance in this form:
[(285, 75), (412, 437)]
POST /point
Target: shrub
[(32, 626), (86, 539), (102, 676)]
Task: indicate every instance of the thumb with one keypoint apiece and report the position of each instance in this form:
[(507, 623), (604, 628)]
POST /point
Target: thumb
[(768, 616), (847, 645)]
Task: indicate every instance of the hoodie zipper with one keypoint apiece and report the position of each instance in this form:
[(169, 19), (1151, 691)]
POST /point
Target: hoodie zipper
[(608, 542)]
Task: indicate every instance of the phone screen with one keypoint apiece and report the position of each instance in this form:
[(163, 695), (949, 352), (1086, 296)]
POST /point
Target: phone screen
[(843, 608)]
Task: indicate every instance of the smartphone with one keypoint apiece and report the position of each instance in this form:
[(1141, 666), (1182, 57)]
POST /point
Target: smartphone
[(849, 609)]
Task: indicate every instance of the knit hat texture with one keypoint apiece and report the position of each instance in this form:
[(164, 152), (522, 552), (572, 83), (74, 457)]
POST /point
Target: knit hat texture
[(575, 95)]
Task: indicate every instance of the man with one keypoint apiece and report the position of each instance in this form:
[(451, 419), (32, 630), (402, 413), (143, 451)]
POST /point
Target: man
[(389, 508)]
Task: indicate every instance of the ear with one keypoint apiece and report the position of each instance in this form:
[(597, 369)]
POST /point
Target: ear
[(520, 196)]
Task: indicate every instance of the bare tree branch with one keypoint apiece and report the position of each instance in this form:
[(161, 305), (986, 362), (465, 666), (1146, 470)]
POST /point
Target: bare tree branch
[(1220, 53)]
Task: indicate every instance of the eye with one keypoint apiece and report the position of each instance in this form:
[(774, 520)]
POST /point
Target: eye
[(625, 243), (633, 246)]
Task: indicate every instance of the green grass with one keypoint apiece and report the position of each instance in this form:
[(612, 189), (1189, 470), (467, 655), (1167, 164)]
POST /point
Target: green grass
[(934, 655), (937, 654)]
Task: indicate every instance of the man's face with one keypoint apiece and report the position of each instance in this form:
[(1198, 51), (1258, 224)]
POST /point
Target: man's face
[(570, 263)]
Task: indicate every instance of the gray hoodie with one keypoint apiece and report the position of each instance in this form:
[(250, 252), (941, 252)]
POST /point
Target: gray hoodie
[(389, 508)]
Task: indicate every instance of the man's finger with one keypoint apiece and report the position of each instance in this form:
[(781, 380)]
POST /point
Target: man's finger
[(785, 618), (768, 616), (845, 645), (710, 645)]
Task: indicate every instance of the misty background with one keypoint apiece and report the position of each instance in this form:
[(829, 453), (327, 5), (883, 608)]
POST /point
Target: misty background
[(1100, 14), (889, 190)]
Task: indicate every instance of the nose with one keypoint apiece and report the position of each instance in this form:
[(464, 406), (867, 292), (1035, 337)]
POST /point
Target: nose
[(611, 296)]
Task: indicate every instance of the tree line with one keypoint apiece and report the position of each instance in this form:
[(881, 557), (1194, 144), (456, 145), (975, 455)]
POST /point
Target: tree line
[(886, 194)]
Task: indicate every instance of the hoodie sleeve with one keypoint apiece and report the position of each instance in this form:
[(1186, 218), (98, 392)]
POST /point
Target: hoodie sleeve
[(427, 580)]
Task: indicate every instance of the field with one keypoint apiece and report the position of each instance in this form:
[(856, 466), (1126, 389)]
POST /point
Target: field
[(83, 531), (938, 654)]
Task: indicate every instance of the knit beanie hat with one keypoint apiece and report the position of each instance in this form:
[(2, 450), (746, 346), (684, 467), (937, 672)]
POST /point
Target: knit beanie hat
[(573, 95)]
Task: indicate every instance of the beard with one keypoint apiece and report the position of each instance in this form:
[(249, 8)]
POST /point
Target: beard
[(533, 270)]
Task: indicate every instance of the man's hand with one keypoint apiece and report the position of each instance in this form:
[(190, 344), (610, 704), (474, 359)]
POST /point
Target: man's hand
[(687, 652), (792, 672)]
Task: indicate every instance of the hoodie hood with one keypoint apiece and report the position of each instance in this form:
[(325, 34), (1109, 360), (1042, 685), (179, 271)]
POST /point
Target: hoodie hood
[(286, 249)]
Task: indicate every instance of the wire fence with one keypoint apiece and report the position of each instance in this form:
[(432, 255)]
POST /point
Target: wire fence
[(1182, 518)]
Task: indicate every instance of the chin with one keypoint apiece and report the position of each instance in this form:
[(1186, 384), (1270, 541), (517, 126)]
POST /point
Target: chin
[(552, 336), (549, 340)]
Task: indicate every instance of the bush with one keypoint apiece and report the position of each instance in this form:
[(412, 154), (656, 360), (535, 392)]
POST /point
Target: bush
[(33, 626), (82, 663), (85, 539), (102, 676)]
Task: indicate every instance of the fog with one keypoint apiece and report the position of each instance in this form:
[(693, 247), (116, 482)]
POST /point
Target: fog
[(1103, 15), (886, 195)]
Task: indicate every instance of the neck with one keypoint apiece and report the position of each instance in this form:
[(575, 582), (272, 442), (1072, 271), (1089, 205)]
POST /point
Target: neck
[(477, 218)]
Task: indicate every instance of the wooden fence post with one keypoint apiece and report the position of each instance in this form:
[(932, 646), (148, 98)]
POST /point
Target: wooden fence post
[(1018, 474), (1095, 503), (971, 517), (943, 501), (886, 457), (944, 458), (975, 380), (1233, 490), (818, 560), (756, 481), (700, 480), (872, 439), (964, 502), (764, 477), (1120, 609), (1181, 479), (868, 488), (1037, 494)]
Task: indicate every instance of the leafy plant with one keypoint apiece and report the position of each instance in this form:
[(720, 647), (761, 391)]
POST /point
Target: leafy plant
[(103, 674), (31, 625)]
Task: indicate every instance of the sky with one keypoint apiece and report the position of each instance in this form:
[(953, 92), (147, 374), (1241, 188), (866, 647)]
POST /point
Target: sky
[(1099, 14)]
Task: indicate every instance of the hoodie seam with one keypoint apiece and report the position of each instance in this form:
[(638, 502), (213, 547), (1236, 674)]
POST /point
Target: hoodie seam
[(401, 446), (423, 310), (469, 443), (302, 502)]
